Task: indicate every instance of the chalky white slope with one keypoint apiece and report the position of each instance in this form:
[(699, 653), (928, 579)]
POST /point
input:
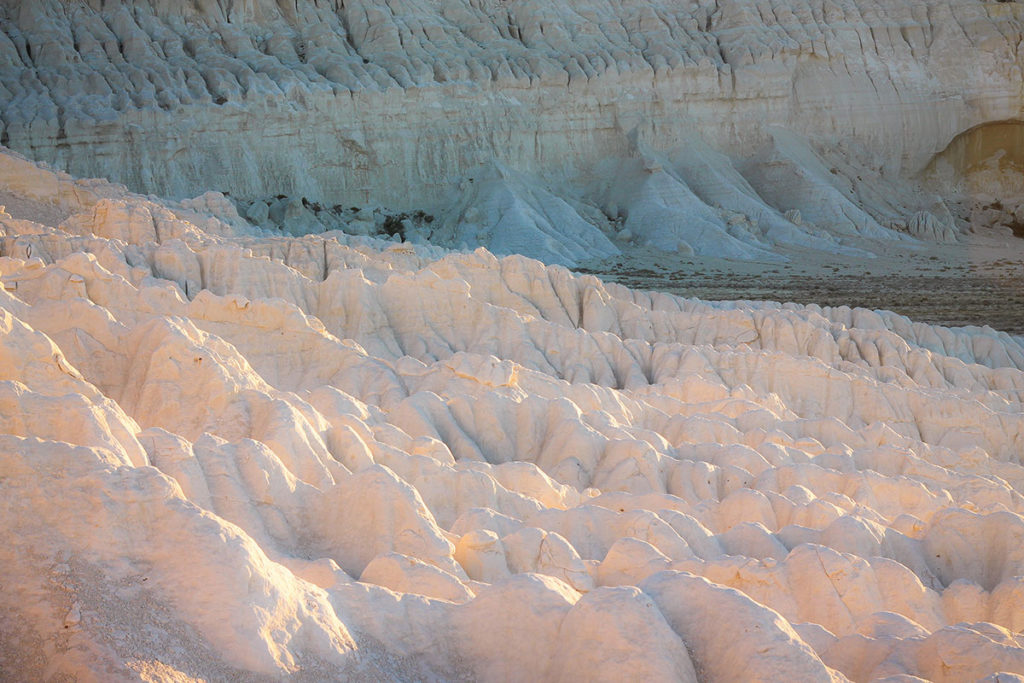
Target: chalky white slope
[(529, 126), (224, 455), (397, 99)]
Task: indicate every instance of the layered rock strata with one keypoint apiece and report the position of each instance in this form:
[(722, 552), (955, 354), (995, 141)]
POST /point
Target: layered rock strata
[(404, 104)]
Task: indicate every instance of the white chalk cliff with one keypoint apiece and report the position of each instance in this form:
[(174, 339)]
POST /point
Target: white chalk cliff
[(412, 105), (225, 456), (243, 437)]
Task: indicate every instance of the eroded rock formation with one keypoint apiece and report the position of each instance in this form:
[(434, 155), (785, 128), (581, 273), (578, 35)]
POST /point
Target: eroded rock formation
[(406, 104), (227, 456)]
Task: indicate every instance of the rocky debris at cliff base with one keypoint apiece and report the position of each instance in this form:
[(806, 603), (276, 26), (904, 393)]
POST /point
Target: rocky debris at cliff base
[(298, 216), (694, 202)]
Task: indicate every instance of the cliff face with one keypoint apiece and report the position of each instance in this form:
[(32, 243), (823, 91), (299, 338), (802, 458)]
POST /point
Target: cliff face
[(228, 455), (396, 102)]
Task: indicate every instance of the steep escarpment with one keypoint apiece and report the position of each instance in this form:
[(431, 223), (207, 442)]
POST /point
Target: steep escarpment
[(406, 104)]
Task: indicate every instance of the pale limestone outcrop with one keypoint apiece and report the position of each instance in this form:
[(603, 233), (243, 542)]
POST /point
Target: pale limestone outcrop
[(402, 104)]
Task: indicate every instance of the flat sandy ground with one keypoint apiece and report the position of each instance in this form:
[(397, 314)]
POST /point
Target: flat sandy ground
[(979, 281)]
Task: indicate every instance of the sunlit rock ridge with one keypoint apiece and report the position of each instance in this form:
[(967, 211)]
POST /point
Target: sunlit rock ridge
[(233, 457), (524, 111), (245, 437)]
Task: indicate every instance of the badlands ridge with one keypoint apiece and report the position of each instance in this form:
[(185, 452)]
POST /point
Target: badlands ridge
[(231, 456), (243, 436)]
